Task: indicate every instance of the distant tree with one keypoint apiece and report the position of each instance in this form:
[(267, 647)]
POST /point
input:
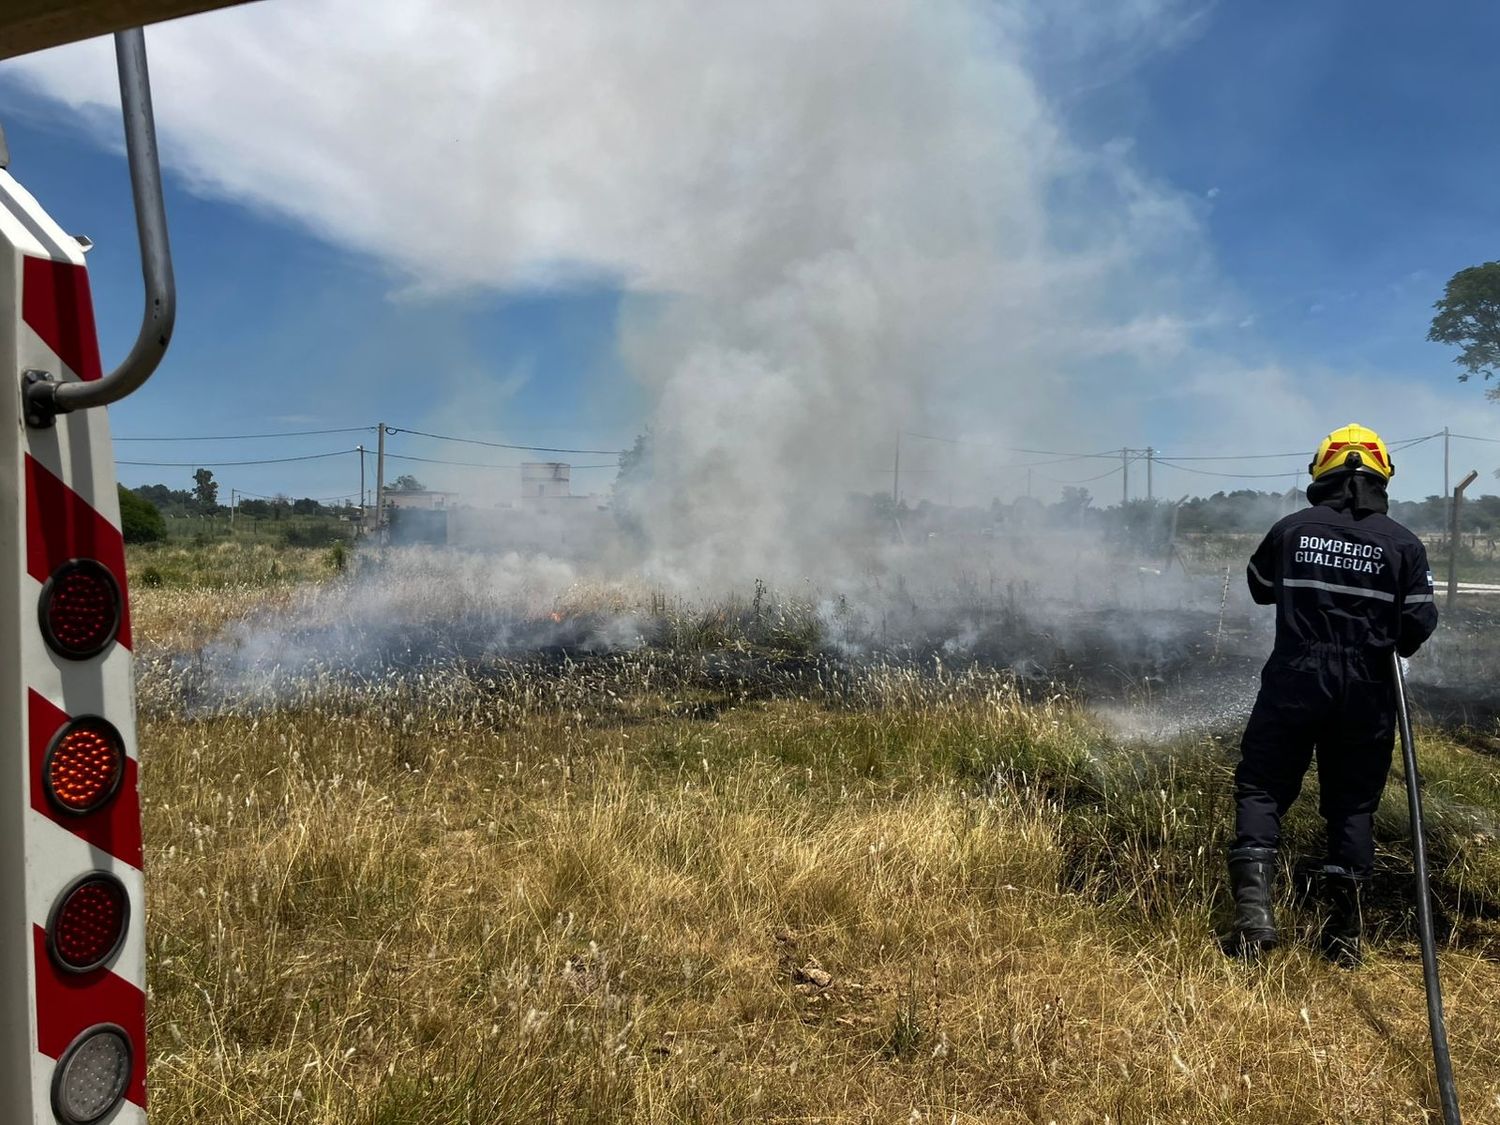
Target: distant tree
[(1469, 316), (139, 519), (407, 483), (259, 508), (169, 501), (205, 490), (306, 507), (1073, 503), (631, 483)]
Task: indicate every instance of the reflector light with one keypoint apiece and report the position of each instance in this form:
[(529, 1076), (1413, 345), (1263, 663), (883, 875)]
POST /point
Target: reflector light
[(80, 609), (88, 922), (84, 765), (91, 1077)]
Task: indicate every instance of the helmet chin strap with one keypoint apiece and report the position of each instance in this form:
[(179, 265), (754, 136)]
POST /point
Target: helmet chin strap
[(1352, 460)]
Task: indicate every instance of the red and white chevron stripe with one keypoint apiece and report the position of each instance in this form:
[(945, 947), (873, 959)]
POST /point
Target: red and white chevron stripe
[(57, 503)]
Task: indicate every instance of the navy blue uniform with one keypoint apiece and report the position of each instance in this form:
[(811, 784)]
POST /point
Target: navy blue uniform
[(1349, 587)]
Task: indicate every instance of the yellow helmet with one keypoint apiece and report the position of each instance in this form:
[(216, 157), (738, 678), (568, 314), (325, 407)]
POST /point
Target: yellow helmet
[(1353, 447)]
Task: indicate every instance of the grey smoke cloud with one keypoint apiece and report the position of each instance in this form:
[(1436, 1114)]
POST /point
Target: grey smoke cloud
[(840, 218), (832, 220)]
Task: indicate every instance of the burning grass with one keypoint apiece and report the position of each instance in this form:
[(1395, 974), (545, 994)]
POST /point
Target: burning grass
[(630, 887)]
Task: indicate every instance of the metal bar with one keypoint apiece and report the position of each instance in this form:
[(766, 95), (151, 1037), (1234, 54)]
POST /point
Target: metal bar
[(1457, 502), (1442, 1062), (896, 474), (156, 254)]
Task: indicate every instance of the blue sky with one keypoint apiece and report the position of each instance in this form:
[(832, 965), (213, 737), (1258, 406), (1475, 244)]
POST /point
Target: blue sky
[(1335, 162), (279, 331), (1351, 147)]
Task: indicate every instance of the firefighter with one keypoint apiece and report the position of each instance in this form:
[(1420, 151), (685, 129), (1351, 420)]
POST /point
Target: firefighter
[(1349, 585)]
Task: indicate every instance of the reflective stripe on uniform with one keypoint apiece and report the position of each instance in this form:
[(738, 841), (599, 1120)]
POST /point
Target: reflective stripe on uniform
[(1255, 574), (1413, 598), (1335, 588)]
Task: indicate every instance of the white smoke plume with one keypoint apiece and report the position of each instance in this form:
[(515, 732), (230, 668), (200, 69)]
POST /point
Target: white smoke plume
[(833, 220)]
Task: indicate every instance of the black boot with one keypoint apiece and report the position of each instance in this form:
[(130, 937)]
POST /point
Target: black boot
[(1251, 874), (1340, 941)]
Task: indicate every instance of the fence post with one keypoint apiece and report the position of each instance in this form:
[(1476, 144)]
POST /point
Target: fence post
[(1453, 536)]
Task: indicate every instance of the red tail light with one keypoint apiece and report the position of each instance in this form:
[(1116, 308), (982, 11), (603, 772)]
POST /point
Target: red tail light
[(80, 609), (84, 765), (88, 923)]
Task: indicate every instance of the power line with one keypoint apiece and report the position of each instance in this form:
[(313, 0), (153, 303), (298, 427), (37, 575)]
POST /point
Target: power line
[(1084, 480), (1139, 454), (478, 464), (229, 464), (1407, 443), (502, 444), (249, 437), (315, 499), (1232, 476), (1011, 449), (1471, 437)]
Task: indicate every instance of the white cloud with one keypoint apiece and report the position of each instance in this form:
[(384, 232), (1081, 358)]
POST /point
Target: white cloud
[(864, 212)]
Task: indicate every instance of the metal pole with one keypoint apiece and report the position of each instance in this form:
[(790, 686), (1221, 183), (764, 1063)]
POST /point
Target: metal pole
[(156, 255), (380, 479), (1445, 460), (1150, 459), (896, 474), (1442, 1063), (1457, 504), (1124, 478), (361, 450), (232, 494)]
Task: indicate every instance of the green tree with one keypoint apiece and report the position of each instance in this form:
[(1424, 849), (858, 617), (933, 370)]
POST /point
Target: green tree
[(168, 501), (205, 490), (407, 483), (631, 485), (1469, 316), (139, 519)]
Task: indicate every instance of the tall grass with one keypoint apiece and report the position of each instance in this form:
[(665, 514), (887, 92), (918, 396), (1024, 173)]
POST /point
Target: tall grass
[(622, 890)]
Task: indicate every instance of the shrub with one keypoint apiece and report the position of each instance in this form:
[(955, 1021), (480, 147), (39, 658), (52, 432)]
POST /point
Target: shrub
[(139, 518), (310, 535)]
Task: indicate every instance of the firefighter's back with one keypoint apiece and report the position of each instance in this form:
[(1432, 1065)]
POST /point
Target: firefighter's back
[(1344, 580)]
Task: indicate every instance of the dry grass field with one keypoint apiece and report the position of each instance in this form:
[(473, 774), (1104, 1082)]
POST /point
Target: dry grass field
[(614, 890)]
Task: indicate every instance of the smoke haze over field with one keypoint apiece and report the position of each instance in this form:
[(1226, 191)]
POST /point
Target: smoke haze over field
[(828, 222), (831, 220)]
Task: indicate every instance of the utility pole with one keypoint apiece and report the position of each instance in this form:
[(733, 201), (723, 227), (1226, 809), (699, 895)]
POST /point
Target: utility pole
[(1150, 464), (896, 475), (1446, 435), (1124, 478), (380, 479), (361, 451), (232, 494), (1028, 484), (1447, 496)]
